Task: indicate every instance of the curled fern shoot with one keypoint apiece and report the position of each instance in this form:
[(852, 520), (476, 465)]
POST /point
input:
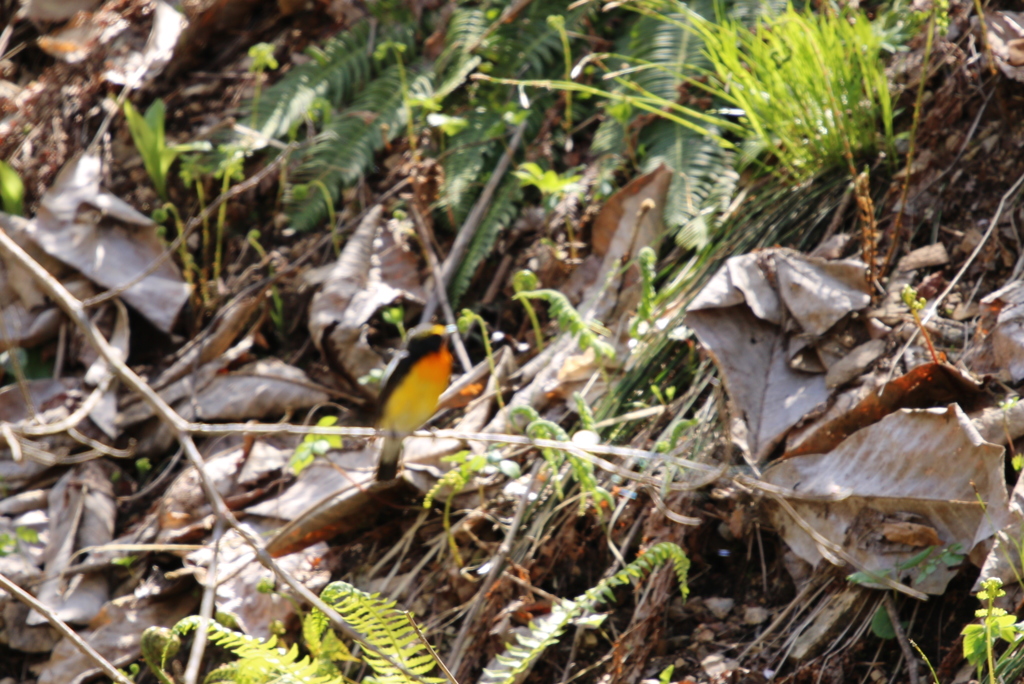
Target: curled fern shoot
[(521, 655), (587, 421), (582, 470), (569, 319), (646, 261), (526, 281), (466, 320)]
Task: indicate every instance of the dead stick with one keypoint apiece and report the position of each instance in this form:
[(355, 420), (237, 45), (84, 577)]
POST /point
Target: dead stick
[(195, 656), (62, 627), (475, 218), (440, 291), (933, 305), (497, 566), (76, 312), (901, 637)]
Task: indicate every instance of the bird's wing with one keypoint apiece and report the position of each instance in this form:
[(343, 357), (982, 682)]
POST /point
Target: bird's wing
[(400, 359)]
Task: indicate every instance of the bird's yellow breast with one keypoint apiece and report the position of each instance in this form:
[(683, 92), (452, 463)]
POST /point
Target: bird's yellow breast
[(414, 400)]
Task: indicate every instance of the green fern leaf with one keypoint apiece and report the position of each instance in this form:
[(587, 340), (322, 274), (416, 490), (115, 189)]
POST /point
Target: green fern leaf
[(258, 661), (500, 215), (521, 655), (669, 47), (335, 73), (530, 47), (463, 165), (389, 629), (703, 182), (348, 146), (455, 63)]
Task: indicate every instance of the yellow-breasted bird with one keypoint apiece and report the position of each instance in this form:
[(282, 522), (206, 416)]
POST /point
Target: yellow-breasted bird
[(412, 383)]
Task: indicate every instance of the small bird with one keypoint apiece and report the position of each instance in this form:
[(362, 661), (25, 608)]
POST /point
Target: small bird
[(412, 383)]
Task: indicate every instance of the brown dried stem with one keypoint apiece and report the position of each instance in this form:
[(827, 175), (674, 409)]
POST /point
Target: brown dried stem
[(62, 627)]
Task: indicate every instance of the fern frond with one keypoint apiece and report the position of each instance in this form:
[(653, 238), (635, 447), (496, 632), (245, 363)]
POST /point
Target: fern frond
[(587, 421), (582, 470), (458, 477), (704, 178), (646, 261), (500, 215), (258, 660), (455, 63), (347, 147), (321, 640), (748, 12), (609, 138), (336, 72), (528, 49), (669, 46), (386, 627), (521, 655), (562, 310), (463, 166)]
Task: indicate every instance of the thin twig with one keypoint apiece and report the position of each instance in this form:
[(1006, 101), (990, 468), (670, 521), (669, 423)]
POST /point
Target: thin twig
[(918, 101), (497, 561), (75, 310), (901, 637), (441, 291), (933, 305), (831, 551), (194, 223), (476, 216), (195, 656), (62, 627), (437, 658)]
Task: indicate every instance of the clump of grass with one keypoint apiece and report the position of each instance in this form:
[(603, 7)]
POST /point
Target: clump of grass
[(812, 87)]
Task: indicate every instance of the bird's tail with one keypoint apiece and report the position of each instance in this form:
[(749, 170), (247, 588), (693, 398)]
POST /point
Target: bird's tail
[(387, 466)]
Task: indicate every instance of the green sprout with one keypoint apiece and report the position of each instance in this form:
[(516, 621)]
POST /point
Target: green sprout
[(262, 55), (916, 304)]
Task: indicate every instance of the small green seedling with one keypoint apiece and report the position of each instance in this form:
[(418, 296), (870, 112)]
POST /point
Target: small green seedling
[(916, 304), (148, 135), (550, 183), (395, 315), (996, 623), (262, 55), (314, 445), (12, 190)]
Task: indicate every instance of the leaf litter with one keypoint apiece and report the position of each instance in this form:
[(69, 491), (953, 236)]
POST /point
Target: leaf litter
[(892, 459)]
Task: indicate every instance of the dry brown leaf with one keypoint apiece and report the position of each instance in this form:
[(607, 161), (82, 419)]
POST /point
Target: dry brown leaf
[(76, 40), (927, 385), (108, 241), (57, 10), (1005, 34), (738, 317), (911, 534), (82, 512), (134, 68), (115, 634), (929, 466), (238, 572), (353, 292)]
